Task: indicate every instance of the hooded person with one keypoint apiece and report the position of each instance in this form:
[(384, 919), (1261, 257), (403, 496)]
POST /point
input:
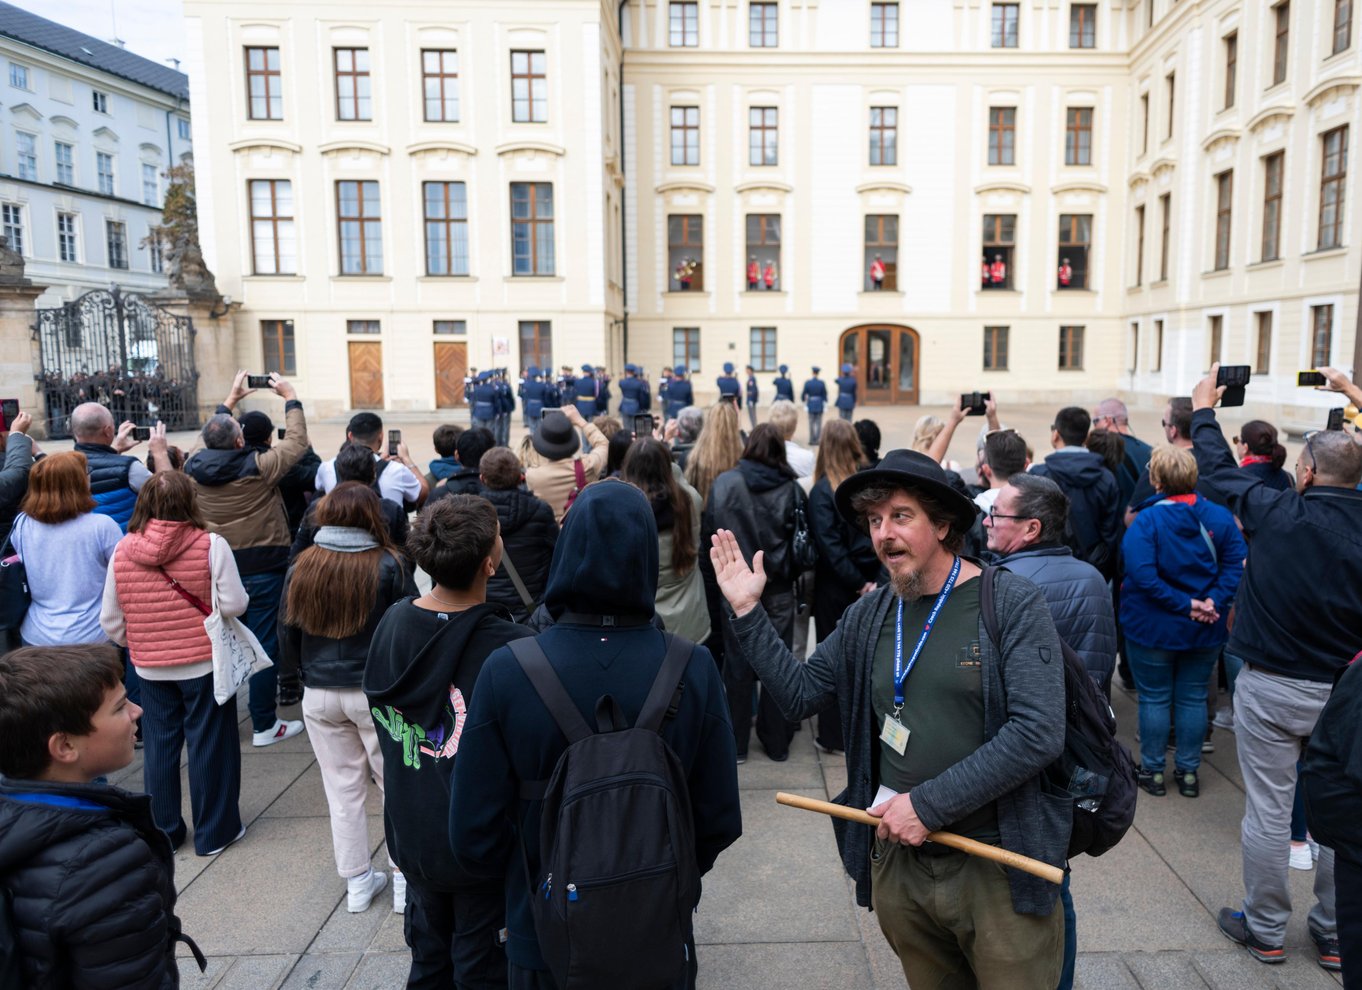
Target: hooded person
[(1094, 497), (424, 659), (603, 642)]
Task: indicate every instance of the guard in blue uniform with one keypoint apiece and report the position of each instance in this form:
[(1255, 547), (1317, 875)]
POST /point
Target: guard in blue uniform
[(602, 392), (633, 395), (679, 394), (553, 398), (525, 378), (484, 412), (664, 386), (815, 398), (585, 393), (784, 387), (846, 393), (728, 385), (507, 396), (752, 395), (645, 392), (470, 382), (533, 396)]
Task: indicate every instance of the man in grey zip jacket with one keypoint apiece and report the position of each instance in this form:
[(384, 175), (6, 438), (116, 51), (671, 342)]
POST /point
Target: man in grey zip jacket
[(995, 791)]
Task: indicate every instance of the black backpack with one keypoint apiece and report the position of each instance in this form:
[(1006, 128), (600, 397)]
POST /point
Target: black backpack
[(618, 880), (1095, 769)]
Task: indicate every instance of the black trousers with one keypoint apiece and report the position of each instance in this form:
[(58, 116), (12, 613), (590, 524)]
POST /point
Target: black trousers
[(1348, 902), (455, 938), (829, 603), (539, 979), (740, 681)]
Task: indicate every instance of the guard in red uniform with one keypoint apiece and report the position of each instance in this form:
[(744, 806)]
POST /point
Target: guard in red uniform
[(877, 274), (983, 272), (769, 276), (753, 274), (1066, 273), (997, 272)]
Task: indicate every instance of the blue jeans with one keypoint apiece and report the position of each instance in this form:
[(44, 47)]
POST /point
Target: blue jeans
[(1176, 679), (262, 618), (1066, 976)]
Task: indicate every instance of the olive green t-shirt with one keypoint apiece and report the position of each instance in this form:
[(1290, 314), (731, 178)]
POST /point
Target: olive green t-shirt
[(943, 698)]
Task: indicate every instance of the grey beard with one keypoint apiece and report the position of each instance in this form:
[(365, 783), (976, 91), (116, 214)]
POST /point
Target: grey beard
[(908, 586)]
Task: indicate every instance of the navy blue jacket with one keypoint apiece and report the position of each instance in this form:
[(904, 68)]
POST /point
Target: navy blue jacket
[(784, 388), (846, 392), (1095, 510), (108, 471), (633, 396), (485, 402), (728, 385), (752, 390), (585, 401), (679, 395), (505, 398), (532, 393), (1168, 563), (815, 394), (1135, 464), (510, 737)]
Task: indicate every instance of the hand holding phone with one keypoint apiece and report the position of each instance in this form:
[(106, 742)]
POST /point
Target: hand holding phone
[(394, 438), (141, 433), (257, 381), (643, 425), (280, 432), (975, 403), (9, 412), (1233, 378), (1310, 379), (1335, 421)]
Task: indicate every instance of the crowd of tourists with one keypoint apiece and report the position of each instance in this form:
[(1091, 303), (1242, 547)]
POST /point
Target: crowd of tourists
[(550, 659)]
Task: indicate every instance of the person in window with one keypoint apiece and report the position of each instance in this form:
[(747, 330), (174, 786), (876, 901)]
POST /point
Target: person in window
[(753, 274), (876, 274), (1066, 273)]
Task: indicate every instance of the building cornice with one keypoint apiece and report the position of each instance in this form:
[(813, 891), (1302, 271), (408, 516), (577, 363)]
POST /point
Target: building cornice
[(1322, 90), (679, 185), (1162, 163), (1218, 135), (1078, 185), (26, 110), (1283, 110), (754, 184), (457, 147), (544, 147), (269, 144), (351, 145), (883, 185), (1003, 185)]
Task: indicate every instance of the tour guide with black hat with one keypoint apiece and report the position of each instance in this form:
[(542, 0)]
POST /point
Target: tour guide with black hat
[(559, 445), (953, 731)]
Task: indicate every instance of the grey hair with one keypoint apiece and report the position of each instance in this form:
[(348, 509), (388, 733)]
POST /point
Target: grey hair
[(88, 419), (221, 432), (1115, 409), (1041, 499), (689, 421), (1337, 457), (784, 416)]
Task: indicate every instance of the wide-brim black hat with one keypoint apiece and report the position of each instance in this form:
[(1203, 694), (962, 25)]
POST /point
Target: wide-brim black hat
[(555, 438), (915, 472)]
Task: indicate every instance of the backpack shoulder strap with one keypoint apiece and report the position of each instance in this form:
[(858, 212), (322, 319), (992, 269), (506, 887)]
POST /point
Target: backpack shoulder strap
[(665, 684), (549, 687), (988, 611)]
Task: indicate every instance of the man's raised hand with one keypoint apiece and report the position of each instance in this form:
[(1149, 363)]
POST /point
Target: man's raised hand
[(740, 584)]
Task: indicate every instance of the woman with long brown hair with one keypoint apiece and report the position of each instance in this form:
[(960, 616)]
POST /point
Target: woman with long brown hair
[(676, 508), (164, 574), (718, 448), (335, 593)]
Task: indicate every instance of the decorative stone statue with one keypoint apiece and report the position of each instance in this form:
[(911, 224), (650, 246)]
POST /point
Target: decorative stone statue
[(185, 268), (11, 264)]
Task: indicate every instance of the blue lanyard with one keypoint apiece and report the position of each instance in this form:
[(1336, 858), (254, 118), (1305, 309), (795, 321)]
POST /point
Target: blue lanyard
[(900, 671)]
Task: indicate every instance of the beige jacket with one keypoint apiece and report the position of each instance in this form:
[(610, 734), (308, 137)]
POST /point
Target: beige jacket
[(553, 481)]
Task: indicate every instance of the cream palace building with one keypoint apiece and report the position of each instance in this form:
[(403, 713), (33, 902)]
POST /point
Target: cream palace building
[(1068, 200)]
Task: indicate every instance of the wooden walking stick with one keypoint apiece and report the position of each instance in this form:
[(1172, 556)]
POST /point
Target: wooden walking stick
[(1005, 856)]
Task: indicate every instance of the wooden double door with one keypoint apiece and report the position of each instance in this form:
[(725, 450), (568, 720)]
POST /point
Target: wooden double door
[(885, 359), (366, 374), (451, 367)]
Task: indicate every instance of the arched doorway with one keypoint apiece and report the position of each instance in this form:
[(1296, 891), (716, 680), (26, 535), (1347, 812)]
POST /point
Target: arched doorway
[(886, 361)]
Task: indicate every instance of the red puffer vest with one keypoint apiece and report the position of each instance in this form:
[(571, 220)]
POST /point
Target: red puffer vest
[(164, 630)]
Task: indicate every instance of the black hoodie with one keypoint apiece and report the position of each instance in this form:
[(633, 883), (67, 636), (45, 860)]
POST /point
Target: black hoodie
[(419, 678), (756, 502), (1095, 509), (528, 534)]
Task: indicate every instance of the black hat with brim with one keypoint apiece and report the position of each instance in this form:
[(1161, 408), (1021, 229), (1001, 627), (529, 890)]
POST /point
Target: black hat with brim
[(555, 438), (914, 472)]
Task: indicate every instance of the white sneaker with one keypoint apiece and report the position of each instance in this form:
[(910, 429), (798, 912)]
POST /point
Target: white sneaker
[(1300, 857), (399, 892), (360, 890), (237, 838), (1224, 719), (281, 730)]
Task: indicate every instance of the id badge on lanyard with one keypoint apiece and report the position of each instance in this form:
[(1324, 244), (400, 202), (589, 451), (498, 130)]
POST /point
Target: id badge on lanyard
[(894, 733)]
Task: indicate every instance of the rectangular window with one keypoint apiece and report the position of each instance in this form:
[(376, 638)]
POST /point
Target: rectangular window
[(116, 243), (1002, 135), (1272, 205), (529, 87), (67, 247), (272, 236), (1321, 336), (1262, 360), (372, 327), (532, 228), (1075, 245), (685, 135), (154, 253), (1217, 334), (182, 126), (446, 215), (1343, 25), (1231, 67), (884, 135), (66, 163), (884, 25), (1171, 81), (1157, 363), (12, 222), (1070, 348), (457, 328), (104, 169), (1083, 25), (763, 25), (536, 344), (1333, 177), (763, 136), (440, 85), (359, 219), (353, 96), (1078, 137), (882, 246), (763, 349), (18, 75), (264, 89), (1005, 25), (276, 338), (684, 25), (1134, 347), (686, 251), (1000, 237), (1144, 123), (686, 348), (1165, 233), (99, 102), (151, 185), (26, 153), (763, 251), (1281, 47), (995, 348), (1139, 245), (1224, 205)]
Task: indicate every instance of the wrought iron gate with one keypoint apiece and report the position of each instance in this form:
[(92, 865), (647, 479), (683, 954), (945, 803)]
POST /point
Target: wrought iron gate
[(121, 351)]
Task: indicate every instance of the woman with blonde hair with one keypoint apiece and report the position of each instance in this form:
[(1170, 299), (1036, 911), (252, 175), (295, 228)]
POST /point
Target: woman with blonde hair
[(718, 448), (335, 593)]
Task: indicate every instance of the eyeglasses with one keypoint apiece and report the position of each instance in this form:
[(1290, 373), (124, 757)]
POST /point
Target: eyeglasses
[(994, 515)]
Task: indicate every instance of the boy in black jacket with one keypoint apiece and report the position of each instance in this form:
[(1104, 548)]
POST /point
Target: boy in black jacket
[(88, 874), (423, 661)]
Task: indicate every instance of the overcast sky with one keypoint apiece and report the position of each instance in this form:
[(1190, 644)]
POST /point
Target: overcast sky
[(153, 29)]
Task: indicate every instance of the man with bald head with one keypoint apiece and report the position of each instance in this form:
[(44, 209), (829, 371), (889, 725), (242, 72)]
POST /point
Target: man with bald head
[(115, 478), (1111, 414)]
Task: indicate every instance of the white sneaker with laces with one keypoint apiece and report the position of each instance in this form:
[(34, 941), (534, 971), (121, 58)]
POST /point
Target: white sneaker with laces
[(399, 892), (280, 731), (360, 890), (1300, 857)]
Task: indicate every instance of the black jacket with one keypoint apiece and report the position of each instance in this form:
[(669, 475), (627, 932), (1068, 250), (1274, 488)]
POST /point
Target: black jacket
[(846, 557), (1333, 768), (393, 514), (14, 478), (419, 681), (297, 486), (463, 482), (528, 535), (339, 663), (1095, 510), (91, 879), (757, 503)]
